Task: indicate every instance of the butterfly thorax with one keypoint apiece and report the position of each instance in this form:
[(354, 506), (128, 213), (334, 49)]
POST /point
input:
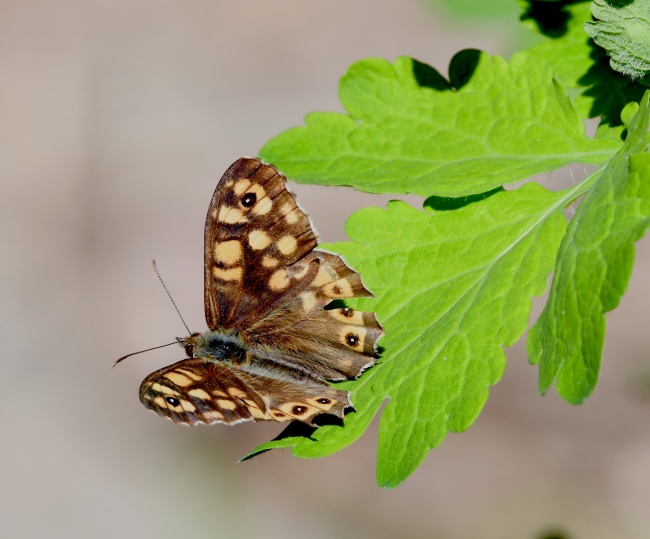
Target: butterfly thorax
[(218, 345)]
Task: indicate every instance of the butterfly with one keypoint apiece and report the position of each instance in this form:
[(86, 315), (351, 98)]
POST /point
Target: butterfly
[(272, 344)]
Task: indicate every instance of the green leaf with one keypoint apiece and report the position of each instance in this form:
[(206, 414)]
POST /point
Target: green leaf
[(277, 443), (581, 66), (623, 30), (593, 269), (453, 289), (409, 130), (566, 47), (295, 433)]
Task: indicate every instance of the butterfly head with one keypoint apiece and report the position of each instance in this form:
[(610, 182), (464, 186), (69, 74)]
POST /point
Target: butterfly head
[(189, 343)]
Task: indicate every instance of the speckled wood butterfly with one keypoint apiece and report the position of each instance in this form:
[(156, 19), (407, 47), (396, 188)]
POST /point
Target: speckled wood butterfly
[(271, 344)]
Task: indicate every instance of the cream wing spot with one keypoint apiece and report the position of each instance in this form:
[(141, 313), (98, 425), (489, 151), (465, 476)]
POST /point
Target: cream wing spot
[(213, 416), (293, 216), (159, 388), (191, 374), (263, 206), (237, 393), (219, 394), (286, 208), (187, 406), (287, 244), (178, 378), (258, 239), (226, 404), (228, 252), (160, 402), (231, 216), (241, 186), (323, 277), (257, 413), (232, 274), (269, 261), (200, 394), (347, 315), (279, 281), (339, 289)]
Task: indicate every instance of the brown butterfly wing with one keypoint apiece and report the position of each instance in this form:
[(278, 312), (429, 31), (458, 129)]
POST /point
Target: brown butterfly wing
[(335, 344), (195, 391), (256, 237), (265, 285)]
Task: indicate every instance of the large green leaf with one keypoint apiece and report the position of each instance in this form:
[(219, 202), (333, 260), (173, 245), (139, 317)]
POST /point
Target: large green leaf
[(409, 130), (453, 289), (593, 268)]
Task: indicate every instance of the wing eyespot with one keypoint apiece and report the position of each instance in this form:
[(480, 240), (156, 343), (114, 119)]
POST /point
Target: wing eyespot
[(172, 401), (248, 200), (352, 339)]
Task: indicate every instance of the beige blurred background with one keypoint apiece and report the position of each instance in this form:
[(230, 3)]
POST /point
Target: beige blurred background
[(116, 120)]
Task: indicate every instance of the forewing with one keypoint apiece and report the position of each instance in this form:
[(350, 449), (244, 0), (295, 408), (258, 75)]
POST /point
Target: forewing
[(255, 239), (196, 391), (334, 344)]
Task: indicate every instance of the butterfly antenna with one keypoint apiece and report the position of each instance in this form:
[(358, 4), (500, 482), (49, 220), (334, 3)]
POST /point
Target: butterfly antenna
[(147, 350), (155, 268)]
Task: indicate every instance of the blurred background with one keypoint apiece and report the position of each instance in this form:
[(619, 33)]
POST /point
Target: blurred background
[(117, 120)]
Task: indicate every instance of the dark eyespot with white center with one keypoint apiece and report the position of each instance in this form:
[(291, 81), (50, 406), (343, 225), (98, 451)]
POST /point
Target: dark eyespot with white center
[(172, 401), (324, 401), (351, 339), (347, 312), (248, 200), (299, 410)]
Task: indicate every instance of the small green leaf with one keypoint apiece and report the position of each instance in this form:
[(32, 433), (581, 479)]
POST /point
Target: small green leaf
[(623, 30), (282, 443), (409, 130), (583, 67), (453, 289), (594, 266), (295, 433)]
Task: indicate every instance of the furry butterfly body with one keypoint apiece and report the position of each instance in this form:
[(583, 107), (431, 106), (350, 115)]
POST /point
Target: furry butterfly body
[(271, 345)]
